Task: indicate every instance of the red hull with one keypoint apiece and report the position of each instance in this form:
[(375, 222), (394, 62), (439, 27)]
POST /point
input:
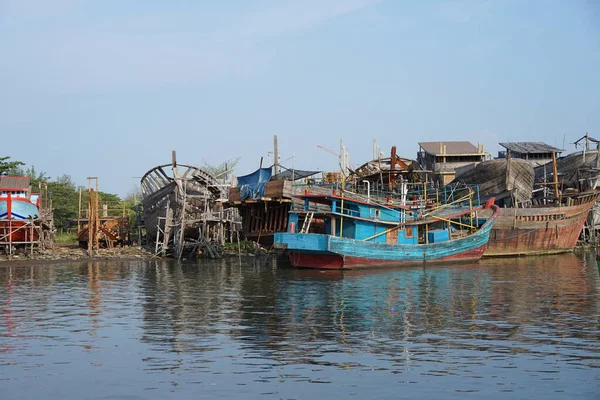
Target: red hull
[(335, 261), (16, 232)]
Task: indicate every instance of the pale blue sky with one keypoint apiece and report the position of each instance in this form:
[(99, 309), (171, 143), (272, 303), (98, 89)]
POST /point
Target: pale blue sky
[(109, 87)]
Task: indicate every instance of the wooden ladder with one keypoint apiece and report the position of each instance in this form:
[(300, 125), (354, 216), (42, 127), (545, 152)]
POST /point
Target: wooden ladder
[(307, 221)]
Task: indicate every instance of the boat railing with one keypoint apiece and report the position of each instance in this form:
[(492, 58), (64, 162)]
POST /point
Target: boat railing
[(414, 195)]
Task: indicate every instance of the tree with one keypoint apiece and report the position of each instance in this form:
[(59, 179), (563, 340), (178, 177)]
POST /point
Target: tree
[(9, 167), (35, 177), (65, 200), (134, 195), (221, 171)]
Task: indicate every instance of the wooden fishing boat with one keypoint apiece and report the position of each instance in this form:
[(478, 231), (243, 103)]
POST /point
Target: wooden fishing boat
[(541, 229), (543, 221), (340, 233)]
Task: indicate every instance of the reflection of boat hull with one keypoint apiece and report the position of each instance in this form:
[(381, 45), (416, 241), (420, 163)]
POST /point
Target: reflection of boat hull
[(539, 230)]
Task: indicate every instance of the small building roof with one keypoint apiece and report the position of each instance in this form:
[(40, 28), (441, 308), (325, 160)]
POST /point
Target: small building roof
[(530, 147), (14, 182), (434, 148)]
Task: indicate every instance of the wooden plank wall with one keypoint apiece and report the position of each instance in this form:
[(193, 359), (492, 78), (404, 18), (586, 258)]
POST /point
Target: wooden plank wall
[(274, 190)]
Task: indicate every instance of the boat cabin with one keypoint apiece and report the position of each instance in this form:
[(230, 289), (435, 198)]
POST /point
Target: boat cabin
[(15, 186), (333, 215)]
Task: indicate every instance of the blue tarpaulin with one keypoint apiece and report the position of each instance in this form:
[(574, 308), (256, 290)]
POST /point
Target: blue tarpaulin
[(252, 186)]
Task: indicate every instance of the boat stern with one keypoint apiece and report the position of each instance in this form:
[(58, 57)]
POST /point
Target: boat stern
[(301, 241), (308, 250)]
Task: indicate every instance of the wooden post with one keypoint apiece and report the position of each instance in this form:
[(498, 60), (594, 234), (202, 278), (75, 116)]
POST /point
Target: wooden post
[(96, 216), (555, 172), (92, 215), (90, 222), (79, 213)]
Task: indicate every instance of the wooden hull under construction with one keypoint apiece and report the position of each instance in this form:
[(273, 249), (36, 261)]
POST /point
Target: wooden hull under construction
[(540, 229), (182, 211)]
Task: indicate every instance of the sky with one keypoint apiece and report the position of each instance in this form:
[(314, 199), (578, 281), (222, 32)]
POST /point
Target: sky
[(109, 88)]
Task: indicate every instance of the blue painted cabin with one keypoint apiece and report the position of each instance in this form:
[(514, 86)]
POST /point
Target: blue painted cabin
[(361, 220)]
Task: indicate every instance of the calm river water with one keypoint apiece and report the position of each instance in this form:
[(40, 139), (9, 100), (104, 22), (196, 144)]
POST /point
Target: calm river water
[(508, 328)]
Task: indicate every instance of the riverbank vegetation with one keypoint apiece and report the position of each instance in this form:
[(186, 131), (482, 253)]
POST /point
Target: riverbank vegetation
[(65, 196)]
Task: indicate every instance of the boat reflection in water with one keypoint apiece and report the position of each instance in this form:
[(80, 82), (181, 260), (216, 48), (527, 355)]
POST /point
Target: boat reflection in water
[(527, 325)]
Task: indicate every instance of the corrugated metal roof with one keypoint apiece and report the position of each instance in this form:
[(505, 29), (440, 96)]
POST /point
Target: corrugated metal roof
[(14, 182), (529, 147), (451, 147)]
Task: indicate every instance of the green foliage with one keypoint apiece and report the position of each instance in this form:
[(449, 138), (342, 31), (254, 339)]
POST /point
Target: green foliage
[(134, 195), (35, 177), (108, 197), (244, 247), (65, 238), (65, 200), (9, 167), (65, 195)]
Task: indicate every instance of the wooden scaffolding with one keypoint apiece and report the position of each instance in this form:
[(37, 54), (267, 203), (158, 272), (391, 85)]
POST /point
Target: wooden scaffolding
[(31, 234), (100, 225), (183, 213)]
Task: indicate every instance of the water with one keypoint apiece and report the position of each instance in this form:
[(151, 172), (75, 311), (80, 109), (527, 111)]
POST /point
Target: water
[(508, 328)]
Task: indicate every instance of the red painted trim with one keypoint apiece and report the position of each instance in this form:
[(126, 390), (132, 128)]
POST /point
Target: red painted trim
[(9, 207)]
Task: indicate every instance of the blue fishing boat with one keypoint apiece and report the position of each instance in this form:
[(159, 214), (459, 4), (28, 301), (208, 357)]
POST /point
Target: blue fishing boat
[(339, 232)]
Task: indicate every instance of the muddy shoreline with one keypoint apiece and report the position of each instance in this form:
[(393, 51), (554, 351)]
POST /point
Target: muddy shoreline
[(61, 253), (73, 253)]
